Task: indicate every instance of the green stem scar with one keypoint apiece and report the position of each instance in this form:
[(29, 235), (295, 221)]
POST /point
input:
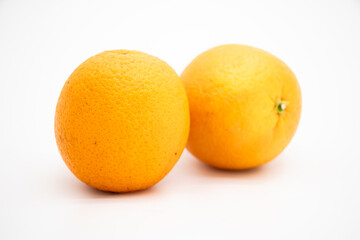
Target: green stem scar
[(280, 106)]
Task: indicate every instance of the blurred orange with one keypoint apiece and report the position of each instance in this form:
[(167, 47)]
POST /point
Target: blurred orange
[(245, 106)]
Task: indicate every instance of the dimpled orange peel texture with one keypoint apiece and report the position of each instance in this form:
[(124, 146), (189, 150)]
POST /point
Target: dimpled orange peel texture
[(122, 121), (245, 106)]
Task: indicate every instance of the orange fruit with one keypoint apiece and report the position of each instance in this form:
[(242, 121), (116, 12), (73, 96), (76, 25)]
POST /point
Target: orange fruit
[(245, 106), (122, 121)]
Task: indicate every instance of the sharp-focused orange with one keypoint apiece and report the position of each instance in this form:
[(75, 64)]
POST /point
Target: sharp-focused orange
[(245, 106), (122, 121)]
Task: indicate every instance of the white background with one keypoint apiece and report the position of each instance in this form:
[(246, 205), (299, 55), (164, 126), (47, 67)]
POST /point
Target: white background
[(311, 191)]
